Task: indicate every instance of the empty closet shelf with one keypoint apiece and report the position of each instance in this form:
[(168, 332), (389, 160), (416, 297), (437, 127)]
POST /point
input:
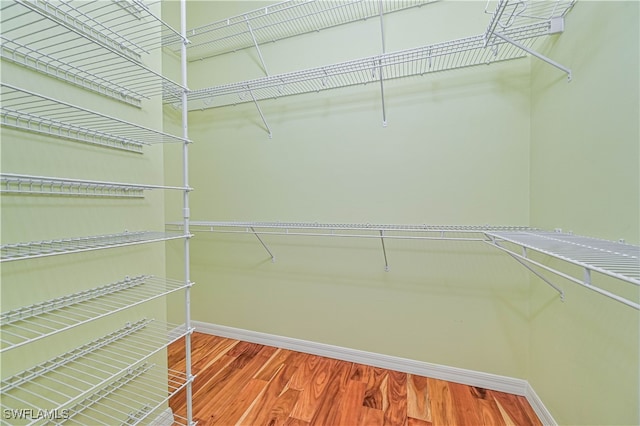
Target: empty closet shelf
[(615, 259), (11, 183), (78, 383), (35, 249), (96, 45), (461, 53), (25, 110), (279, 21), (438, 232), (30, 323)]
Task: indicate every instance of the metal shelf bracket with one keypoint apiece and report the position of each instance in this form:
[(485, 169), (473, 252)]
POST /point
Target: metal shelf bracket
[(536, 54)]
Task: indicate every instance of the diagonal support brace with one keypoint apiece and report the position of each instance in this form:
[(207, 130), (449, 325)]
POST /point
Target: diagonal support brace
[(536, 54), (261, 114), (273, 258), (384, 252)]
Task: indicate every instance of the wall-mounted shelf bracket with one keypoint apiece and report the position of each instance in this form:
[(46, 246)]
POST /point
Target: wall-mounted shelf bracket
[(384, 251), (257, 46), (273, 258), (261, 114), (536, 54)]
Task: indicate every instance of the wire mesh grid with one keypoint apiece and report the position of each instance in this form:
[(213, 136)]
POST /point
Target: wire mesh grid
[(449, 55), (35, 249), (25, 110), (514, 13), (11, 183), (611, 258), (95, 380), (279, 21), (86, 44), (30, 323)]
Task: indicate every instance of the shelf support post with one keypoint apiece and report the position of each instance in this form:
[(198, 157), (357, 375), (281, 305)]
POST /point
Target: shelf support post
[(186, 214), (536, 54), (273, 258), (384, 112), (261, 114)]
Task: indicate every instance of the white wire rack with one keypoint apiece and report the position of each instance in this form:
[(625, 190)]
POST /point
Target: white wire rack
[(461, 53), (11, 183), (279, 21), (102, 382), (30, 323), (25, 110), (36, 249), (614, 259), (515, 13), (96, 45)]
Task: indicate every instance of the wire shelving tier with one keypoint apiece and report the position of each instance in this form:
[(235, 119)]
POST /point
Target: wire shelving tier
[(25, 110), (461, 53), (279, 21), (11, 183), (30, 323), (610, 258), (108, 380), (35, 249), (96, 45)]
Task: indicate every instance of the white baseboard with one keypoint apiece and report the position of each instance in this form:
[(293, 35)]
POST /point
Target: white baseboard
[(421, 368), (538, 406)]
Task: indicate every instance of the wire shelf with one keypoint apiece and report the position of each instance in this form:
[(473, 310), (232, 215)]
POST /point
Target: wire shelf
[(11, 183), (95, 45), (515, 13), (439, 232), (82, 384), (36, 249), (461, 53), (279, 21), (30, 323), (614, 259), (25, 110)]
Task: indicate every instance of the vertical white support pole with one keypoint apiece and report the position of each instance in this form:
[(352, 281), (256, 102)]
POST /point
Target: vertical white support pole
[(186, 213), (384, 112)]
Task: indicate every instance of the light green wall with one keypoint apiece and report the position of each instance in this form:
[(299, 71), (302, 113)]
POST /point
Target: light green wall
[(585, 158), (511, 143), (455, 152)]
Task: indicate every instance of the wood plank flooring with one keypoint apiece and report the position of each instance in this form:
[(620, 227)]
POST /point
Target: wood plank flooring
[(240, 383)]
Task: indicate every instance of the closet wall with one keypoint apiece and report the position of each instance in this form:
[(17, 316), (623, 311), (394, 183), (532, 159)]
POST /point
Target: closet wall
[(455, 152), (585, 177), (507, 144)]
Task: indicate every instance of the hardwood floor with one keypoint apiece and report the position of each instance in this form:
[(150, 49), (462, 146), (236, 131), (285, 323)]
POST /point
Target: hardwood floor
[(240, 383)]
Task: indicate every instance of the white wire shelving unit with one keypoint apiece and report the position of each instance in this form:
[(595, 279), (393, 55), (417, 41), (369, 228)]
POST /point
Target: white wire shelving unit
[(32, 112), (110, 49), (511, 34), (36, 249), (280, 21), (106, 381), (27, 324), (100, 46), (593, 256), (461, 53), (11, 183)]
